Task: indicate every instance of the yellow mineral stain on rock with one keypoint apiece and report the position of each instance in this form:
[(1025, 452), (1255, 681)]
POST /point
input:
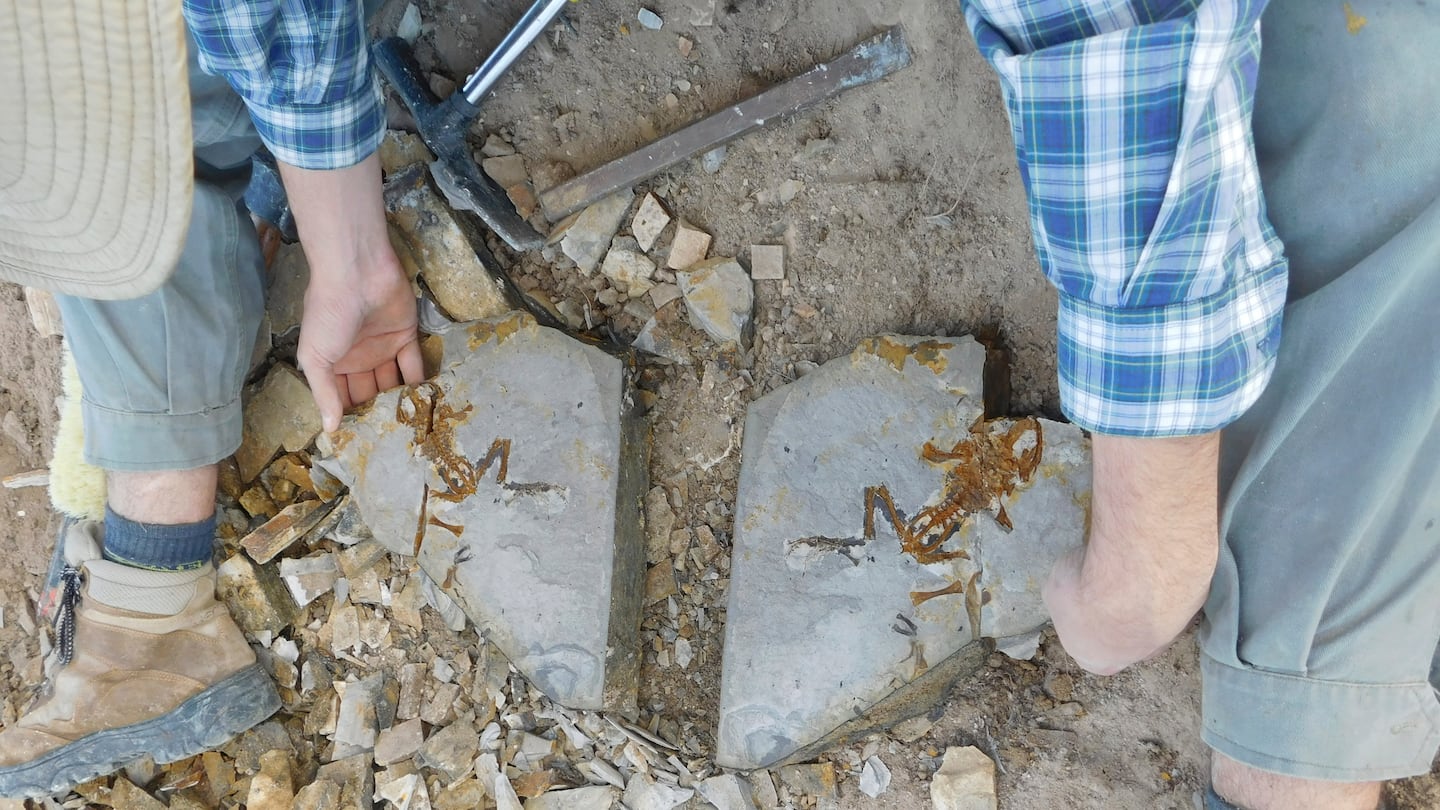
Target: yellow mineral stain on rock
[(1354, 22), (482, 332), (928, 353)]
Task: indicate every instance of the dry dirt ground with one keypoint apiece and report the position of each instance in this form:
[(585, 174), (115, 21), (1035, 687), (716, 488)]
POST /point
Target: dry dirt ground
[(910, 219)]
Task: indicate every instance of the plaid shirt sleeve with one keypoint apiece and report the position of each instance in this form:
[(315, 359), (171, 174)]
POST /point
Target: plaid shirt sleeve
[(303, 69), (1132, 128)]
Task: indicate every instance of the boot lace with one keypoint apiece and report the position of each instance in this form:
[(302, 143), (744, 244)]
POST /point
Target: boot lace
[(70, 581)]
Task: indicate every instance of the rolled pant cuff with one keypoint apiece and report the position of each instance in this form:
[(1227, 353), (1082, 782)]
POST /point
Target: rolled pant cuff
[(1314, 729), (150, 442)]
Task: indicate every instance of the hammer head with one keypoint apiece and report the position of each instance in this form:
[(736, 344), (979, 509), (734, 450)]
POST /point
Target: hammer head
[(443, 126)]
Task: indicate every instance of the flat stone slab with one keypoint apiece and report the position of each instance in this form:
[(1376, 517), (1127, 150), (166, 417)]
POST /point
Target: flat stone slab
[(515, 477), (871, 538)]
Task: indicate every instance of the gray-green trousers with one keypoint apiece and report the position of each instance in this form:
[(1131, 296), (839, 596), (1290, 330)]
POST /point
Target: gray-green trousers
[(1321, 632)]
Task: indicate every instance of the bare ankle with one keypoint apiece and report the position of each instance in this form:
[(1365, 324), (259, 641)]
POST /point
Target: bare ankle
[(1253, 789), (164, 496)]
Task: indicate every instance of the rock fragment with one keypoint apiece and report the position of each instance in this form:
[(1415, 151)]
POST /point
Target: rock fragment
[(409, 27), (727, 792), (763, 790), (496, 146), (816, 779), (451, 751), (908, 731), (767, 262), (466, 794), (407, 792), (285, 299), (256, 596), (399, 742), (431, 240), (355, 778), (662, 294), (125, 796), (630, 269), (644, 793), (711, 161), (506, 170), (663, 335), (358, 724), (595, 797), (284, 530), (719, 296), (589, 234), (309, 577), (874, 777), (273, 787), (688, 247), (401, 149), (650, 220), (504, 793), (781, 193), (282, 414), (649, 19), (317, 796), (965, 781)]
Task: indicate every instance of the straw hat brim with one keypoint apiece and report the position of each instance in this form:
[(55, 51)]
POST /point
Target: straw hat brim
[(95, 154)]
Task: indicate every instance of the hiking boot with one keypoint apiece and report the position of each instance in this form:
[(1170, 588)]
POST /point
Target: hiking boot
[(145, 662)]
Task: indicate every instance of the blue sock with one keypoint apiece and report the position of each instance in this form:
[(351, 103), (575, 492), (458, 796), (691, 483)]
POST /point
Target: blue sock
[(158, 546)]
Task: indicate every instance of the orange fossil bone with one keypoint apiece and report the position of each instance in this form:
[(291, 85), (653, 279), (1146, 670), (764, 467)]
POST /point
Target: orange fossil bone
[(981, 470)]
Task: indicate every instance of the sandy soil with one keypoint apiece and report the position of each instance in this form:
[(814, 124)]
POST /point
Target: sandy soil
[(911, 219)]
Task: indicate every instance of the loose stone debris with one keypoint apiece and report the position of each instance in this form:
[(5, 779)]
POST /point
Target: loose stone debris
[(965, 781), (629, 268), (587, 237), (281, 415), (649, 222), (874, 778), (767, 262), (719, 296), (689, 246), (877, 514)]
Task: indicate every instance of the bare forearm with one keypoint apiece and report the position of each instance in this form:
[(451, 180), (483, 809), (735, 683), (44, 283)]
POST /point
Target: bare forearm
[(358, 335), (340, 214), (1154, 540)]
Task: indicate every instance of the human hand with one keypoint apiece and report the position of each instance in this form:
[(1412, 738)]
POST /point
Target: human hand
[(356, 342), (358, 332), (1154, 541)]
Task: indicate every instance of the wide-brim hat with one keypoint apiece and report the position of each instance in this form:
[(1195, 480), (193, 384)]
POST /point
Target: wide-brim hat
[(95, 145)]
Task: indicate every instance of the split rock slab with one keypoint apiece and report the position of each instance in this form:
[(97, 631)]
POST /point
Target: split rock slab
[(515, 476), (870, 547)]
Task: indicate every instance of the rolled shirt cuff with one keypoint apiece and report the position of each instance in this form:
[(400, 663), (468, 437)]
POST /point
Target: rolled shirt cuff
[(1181, 369), (326, 135)]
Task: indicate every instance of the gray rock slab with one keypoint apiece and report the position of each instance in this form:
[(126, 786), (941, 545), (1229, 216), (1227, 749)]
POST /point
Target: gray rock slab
[(515, 477), (826, 619)]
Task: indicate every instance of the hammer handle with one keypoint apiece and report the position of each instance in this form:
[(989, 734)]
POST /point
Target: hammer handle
[(524, 32)]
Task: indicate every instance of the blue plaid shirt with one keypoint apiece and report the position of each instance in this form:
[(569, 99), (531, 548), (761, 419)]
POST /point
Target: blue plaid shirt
[(1132, 128), (304, 70)]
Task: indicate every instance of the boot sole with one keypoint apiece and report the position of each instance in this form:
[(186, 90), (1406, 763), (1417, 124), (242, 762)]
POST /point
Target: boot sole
[(205, 721)]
